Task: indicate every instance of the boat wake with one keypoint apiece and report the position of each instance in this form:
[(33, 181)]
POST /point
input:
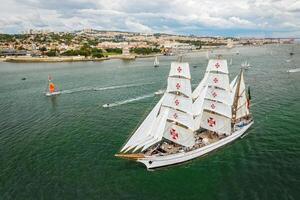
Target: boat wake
[(119, 103), (294, 70), (82, 89)]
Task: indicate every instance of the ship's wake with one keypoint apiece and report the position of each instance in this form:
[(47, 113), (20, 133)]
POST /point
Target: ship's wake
[(294, 70), (119, 103), (82, 89)]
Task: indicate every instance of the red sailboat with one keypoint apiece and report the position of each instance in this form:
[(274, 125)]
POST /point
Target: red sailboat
[(51, 89)]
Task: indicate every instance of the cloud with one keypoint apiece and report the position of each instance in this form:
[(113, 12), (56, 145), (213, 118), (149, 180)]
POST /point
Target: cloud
[(201, 17)]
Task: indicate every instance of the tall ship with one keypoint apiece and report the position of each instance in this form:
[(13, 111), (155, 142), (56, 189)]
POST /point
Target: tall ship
[(185, 125), (51, 88)]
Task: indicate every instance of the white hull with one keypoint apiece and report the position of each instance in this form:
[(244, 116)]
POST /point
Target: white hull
[(163, 161), (48, 94)]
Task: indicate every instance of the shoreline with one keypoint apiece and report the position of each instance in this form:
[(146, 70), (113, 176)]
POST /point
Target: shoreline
[(29, 59)]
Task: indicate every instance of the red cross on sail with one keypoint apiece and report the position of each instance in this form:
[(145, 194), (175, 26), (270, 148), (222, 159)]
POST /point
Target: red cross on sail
[(214, 94), (213, 106), (215, 80), (175, 115), (179, 69), (177, 86), (174, 134), (177, 102), (211, 122), (217, 65)]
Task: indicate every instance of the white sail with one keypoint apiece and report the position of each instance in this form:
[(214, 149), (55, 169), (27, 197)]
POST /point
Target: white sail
[(218, 80), (242, 106), (198, 104), (156, 62), (157, 130), (179, 69), (198, 108), (217, 98), (216, 123), (220, 108), (178, 102), (179, 135), (200, 87), (220, 95), (181, 118), (143, 132), (207, 55), (217, 65), (179, 85), (232, 83)]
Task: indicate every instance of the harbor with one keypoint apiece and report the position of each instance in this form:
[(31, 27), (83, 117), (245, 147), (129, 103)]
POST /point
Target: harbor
[(63, 147)]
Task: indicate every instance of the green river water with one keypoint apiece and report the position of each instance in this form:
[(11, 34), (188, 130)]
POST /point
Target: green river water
[(63, 147)]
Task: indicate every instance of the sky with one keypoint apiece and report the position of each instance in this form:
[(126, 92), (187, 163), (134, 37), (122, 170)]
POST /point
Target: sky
[(238, 18)]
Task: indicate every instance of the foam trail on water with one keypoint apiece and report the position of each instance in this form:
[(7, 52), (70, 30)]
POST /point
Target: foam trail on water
[(294, 70), (118, 103), (120, 86), (102, 88)]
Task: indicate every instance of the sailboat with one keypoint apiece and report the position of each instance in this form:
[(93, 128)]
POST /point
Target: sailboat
[(156, 62), (51, 88), (230, 62), (246, 65), (184, 125)]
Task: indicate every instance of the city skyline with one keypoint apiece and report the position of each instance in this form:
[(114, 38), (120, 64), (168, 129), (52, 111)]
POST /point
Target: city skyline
[(255, 18)]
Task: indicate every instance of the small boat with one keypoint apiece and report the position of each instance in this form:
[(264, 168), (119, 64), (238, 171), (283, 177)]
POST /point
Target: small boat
[(51, 89), (293, 70), (246, 65), (106, 105), (23, 79), (185, 125), (156, 62), (159, 92), (230, 62)]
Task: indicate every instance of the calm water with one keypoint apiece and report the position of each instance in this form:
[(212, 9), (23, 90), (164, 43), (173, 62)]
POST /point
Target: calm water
[(63, 147)]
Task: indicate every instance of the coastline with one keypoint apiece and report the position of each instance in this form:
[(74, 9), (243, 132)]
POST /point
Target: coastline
[(29, 59)]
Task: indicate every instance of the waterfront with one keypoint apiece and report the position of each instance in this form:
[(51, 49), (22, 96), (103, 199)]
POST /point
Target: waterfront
[(63, 147)]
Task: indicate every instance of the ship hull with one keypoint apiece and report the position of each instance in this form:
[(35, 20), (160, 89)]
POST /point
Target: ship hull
[(152, 162)]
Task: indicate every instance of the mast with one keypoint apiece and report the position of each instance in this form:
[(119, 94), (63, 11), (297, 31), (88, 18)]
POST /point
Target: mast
[(235, 101), (240, 103), (171, 118), (178, 102), (216, 100)]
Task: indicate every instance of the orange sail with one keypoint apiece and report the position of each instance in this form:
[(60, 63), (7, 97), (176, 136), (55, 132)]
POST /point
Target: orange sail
[(51, 87)]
